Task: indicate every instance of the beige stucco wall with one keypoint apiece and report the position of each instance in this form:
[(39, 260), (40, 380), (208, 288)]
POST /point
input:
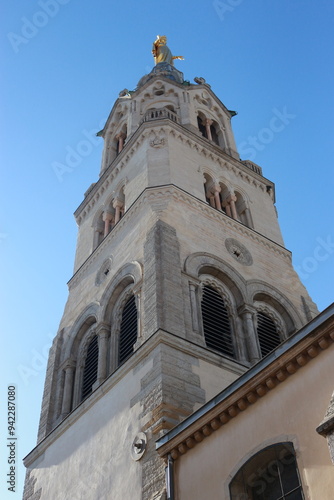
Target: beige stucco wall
[(290, 412), (92, 458)]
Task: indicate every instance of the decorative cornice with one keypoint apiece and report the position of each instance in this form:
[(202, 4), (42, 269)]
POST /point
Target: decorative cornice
[(284, 362), (153, 194)]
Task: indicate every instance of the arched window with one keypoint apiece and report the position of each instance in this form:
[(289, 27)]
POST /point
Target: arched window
[(201, 127), (90, 369), (128, 331), (216, 323), (271, 474), (214, 134), (267, 333)]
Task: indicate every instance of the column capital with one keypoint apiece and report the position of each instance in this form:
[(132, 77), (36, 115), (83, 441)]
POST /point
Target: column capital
[(245, 308), (121, 135), (208, 121), (68, 364), (231, 197), (117, 202), (102, 329), (107, 216)]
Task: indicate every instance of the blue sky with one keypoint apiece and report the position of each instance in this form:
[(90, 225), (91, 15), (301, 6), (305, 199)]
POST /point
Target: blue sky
[(65, 63)]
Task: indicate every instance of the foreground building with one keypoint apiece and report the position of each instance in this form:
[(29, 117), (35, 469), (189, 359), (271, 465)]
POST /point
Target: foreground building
[(182, 289)]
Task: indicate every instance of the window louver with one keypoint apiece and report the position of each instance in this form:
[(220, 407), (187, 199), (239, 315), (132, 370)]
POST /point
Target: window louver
[(267, 334), (128, 333), (90, 369), (216, 324)]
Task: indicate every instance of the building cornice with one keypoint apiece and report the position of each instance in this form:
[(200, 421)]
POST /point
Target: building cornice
[(153, 194), (298, 350)]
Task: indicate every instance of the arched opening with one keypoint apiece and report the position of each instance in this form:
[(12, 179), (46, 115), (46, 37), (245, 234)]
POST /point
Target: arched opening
[(271, 474), (128, 330), (242, 210), (216, 322), (208, 184), (98, 231), (267, 333), (90, 368), (201, 126), (214, 133)]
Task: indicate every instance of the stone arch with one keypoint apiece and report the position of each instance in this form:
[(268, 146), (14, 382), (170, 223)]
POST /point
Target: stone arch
[(87, 318), (266, 294), (251, 466), (165, 103), (242, 207), (204, 263), (214, 130), (129, 274)]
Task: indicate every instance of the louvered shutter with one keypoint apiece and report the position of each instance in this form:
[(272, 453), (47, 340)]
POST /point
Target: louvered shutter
[(90, 369), (267, 333), (216, 323), (128, 333)]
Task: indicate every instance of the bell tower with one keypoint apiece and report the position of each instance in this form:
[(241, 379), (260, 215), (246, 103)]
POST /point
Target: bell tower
[(181, 282)]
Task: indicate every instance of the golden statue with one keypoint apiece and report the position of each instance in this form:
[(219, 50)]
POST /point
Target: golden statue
[(162, 53)]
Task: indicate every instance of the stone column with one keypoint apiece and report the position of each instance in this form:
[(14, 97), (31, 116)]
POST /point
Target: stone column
[(96, 238), (231, 200), (117, 204), (216, 192), (113, 360), (107, 218), (120, 137), (102, 333), (227, 207), (194, 309), (208, 124), (69, 369), (137, 295), (250, 336)]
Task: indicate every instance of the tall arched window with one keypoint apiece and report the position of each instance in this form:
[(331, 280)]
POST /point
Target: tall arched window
[(271, 474), (128, 331), (90, 369), (267, 333), (216, 323)]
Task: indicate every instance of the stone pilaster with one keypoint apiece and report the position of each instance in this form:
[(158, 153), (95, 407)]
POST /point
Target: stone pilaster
[(162, 287)]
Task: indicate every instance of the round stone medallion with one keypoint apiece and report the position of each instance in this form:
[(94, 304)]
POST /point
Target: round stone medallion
[(239, 252)]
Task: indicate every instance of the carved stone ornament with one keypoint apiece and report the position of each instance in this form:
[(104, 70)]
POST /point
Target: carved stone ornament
[(239, 252), (138, 447), (103, 272), (157, 142)]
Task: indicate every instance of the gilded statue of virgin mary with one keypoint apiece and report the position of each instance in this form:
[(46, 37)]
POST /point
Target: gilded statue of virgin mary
[(162, 53)]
